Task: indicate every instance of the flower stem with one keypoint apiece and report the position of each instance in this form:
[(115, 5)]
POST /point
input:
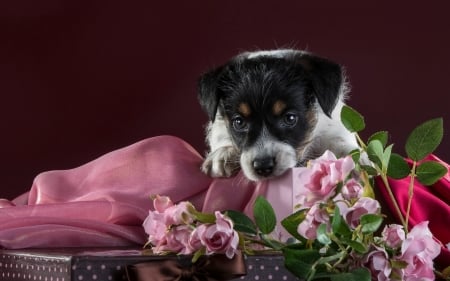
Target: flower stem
[(263, 241), (394, 201), (410, 194), (388, 187), (361, 142)]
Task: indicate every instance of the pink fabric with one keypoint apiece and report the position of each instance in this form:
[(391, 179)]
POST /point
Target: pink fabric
[(430, 203), (104, 202)]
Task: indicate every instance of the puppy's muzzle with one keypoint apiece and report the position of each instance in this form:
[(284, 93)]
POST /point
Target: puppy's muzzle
[(267, 159), (264, 166)]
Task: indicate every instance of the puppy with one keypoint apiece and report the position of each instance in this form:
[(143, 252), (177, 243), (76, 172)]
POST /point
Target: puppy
[(272, 110)]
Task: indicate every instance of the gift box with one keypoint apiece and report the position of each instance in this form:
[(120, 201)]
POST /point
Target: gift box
[(281, 193), (75, 264)]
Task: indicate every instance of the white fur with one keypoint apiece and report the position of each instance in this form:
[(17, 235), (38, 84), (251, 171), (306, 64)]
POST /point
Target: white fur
[(271, 53), (217, 133), (279, 53), (220, 162), (330, 134)]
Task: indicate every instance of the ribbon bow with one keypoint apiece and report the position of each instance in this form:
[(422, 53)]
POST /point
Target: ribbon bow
[(178, 268)]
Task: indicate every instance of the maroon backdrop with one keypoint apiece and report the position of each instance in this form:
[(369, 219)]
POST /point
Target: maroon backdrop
[(81, 78)]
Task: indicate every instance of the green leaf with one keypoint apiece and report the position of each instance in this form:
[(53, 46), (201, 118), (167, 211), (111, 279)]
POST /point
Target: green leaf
[(272, 243), (398, 264), (355, 154), (375, 152), (381, 136), (368, 188), (424, 139), (264, 215), (300, 262), (242, 222), (386, 156), (446, 272), (202, 217), (291, 222), (322, 235), (357, 246), (370, 223), (370, 170), (352, 120), (430, 172), (359, 274), (398, 168), (338, 224), (199, 253)]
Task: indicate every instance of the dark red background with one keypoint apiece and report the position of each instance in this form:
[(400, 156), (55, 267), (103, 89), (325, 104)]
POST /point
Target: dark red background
[(82, 78)]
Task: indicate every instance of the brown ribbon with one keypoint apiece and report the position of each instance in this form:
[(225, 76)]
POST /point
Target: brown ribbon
[(180, 268)]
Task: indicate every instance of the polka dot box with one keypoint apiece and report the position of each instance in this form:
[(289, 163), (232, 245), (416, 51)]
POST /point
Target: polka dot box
[(104, 265)]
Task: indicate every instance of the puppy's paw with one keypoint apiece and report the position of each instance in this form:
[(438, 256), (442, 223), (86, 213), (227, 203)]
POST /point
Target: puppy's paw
[(223, 162)]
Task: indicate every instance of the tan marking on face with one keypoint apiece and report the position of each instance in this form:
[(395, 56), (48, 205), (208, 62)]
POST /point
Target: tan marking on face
[(244, 109), (278, 107), (311, 118)]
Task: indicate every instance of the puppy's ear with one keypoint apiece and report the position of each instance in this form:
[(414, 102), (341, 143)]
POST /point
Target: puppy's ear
[(208, 93), (326, 78)]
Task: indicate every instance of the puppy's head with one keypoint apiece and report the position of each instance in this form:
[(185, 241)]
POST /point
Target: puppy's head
[(270, 101)]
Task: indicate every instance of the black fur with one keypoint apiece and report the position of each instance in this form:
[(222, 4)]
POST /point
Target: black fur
[(323, 77), (326, 78), (208, 95), (260, 83)]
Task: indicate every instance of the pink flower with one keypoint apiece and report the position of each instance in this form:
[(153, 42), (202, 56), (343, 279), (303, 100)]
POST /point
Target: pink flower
[(167, 226), (320, 178), (314, 218), (177, 241), (155, 227), (377, 261), (352, 189), (393, 235), (161, 203), (220, 237), (418, 251), (178, 214), (195, 241), (364, 205)]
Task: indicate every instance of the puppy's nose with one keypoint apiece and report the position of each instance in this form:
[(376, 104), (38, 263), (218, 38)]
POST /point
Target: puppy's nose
[(264, 166)]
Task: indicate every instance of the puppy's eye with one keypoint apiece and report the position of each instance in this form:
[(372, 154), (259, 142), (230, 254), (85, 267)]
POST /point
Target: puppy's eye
[(239, 124), (290, 119)]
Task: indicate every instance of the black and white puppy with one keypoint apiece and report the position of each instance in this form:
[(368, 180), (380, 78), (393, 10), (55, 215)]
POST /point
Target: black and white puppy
[(272, 110)]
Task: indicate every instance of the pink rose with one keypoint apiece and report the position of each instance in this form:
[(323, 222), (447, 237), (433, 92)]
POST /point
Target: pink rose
[(155, 227), (393, 235), (195, 241), (314, 218), (320, 178), (167, 226), (377, 261), (352, 189), (220, 237), (177, 241), (364, 205), (161, 203), (418, 251), (178, 214)]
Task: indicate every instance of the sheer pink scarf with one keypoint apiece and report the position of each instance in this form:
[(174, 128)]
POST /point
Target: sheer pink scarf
[(104, 202)]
